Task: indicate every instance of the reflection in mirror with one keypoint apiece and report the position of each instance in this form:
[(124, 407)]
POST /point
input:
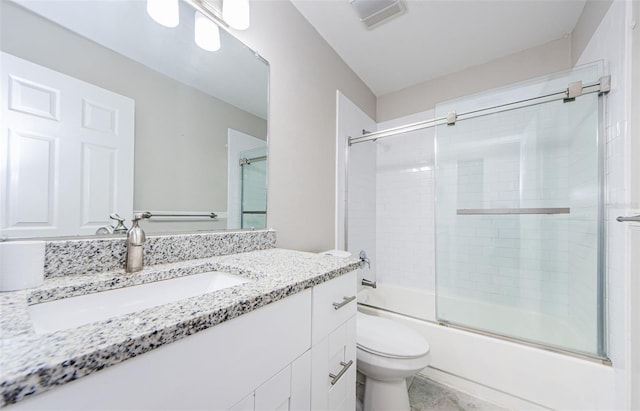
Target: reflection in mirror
[(105, 111)]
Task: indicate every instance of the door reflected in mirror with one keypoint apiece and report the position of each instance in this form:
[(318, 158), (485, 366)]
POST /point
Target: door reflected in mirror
[(105, 111)]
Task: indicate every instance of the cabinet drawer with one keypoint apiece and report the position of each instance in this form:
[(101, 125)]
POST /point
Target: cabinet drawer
[(333, 303)]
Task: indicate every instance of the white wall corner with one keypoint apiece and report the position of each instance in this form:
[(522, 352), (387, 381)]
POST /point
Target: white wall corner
[(351, 120)]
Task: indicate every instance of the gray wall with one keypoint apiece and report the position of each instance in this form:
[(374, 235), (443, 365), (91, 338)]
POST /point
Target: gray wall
[(305, 73), (527, 64), (586, 26), (181, 133)]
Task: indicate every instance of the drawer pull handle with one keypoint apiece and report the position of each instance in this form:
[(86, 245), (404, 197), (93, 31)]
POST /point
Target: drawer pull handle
[(346, 300), (345, 367)]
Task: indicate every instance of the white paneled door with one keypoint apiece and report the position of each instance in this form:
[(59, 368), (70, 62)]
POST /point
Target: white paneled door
[(67, 153)]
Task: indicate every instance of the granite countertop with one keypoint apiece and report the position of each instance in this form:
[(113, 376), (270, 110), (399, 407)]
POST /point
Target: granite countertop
[(31, 363)]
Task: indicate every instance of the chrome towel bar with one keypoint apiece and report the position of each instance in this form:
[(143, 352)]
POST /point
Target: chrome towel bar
[(147, 214)]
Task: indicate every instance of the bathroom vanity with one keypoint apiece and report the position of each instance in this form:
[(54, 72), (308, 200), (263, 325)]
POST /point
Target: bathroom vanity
[(282, 339)]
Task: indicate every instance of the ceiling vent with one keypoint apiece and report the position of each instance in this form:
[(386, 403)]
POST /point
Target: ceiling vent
[(376, 12)]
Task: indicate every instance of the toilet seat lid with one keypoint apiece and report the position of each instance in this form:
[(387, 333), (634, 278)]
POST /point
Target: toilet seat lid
[(388, 338)]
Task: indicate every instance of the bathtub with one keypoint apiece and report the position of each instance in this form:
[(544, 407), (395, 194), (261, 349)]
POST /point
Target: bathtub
[(527, 325), (508, 373)]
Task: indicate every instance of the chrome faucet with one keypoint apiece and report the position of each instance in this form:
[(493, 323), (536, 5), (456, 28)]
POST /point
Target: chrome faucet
[(135, 240), (365, 260), (119, 228)]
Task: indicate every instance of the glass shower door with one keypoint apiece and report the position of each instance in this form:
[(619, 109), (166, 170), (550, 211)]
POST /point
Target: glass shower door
[(254, 188), (518, 242)]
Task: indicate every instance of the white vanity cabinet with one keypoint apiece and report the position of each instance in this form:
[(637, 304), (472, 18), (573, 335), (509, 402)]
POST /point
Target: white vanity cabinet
[(288, 390), (322, 379), (210, 370), (278, 357), (333, 352)]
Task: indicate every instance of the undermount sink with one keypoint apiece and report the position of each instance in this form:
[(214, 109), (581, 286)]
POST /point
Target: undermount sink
[(76, 311)]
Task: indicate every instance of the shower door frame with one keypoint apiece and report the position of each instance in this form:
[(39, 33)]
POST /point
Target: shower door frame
[(602, 87)]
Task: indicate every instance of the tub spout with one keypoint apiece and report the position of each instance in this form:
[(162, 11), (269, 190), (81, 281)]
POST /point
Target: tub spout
[(369, 283)]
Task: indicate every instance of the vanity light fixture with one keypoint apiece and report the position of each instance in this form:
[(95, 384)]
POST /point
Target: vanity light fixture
[(207, 33), (208, 18), (236, 13), (164, 12)]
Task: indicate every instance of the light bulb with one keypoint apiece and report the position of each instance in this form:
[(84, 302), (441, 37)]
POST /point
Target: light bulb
[(207, 33), (164, 12), (236, 13)]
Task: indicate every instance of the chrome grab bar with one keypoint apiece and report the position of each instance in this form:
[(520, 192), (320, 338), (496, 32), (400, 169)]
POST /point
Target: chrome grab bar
[(345, 367), (244, 161), (635, 218), (346, 300)]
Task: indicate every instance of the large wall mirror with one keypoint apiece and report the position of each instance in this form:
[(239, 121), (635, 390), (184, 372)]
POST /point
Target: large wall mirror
[(105, 111)]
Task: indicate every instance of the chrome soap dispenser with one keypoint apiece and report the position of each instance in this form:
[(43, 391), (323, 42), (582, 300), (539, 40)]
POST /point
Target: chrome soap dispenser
[(135, 240)]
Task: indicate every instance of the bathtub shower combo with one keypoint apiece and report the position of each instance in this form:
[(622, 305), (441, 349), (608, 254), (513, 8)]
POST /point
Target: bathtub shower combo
[(488, 220)]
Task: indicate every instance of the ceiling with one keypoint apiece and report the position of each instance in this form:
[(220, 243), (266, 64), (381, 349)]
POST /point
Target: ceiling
[(437, 37)]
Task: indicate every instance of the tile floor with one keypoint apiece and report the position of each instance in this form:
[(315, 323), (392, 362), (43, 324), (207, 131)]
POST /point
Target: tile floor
[(426, 394)]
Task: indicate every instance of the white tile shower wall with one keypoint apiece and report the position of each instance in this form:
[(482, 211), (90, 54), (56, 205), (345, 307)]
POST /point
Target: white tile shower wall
[(611, 42), (405, 242), (405, 208), (362, 230)]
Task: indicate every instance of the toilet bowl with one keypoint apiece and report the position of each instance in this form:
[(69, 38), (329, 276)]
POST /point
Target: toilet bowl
[(388, 353)]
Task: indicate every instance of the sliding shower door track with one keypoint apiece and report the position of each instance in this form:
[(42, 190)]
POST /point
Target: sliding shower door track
[(575, 89), (528, 343)]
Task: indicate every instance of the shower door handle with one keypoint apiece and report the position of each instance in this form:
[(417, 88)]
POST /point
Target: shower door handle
[(635, 218)]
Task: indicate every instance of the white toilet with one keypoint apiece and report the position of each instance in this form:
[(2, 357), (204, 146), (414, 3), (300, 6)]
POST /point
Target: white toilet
[(387, 354)]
